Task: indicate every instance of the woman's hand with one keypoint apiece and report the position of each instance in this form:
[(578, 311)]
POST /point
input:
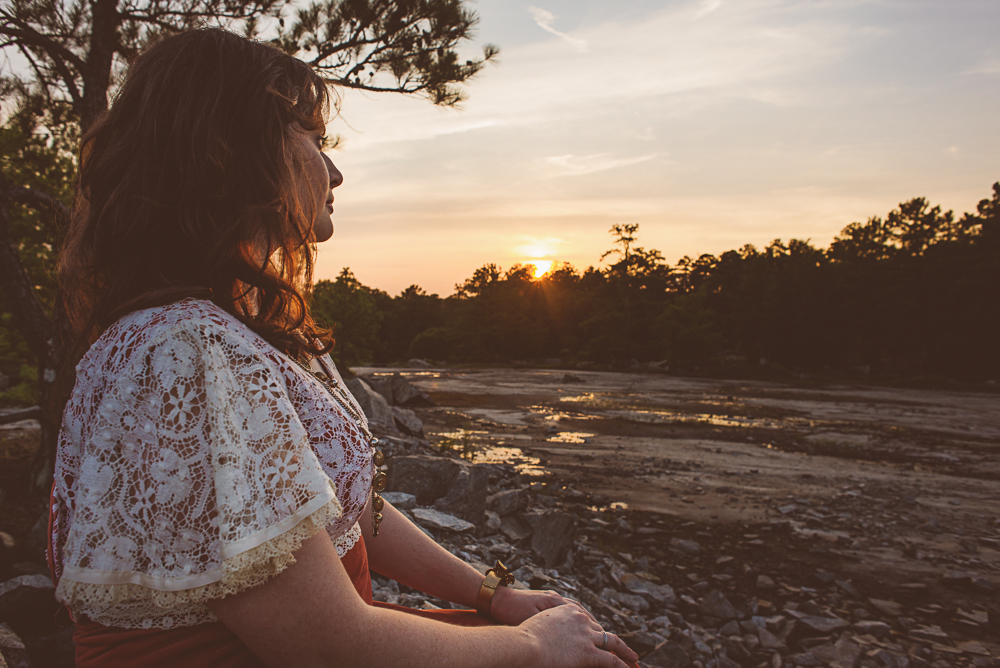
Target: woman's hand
[(513, 606), (567, 635)]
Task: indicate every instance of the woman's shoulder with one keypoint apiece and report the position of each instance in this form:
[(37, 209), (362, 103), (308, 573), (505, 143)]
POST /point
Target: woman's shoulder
[(185, 315), (195, 321)]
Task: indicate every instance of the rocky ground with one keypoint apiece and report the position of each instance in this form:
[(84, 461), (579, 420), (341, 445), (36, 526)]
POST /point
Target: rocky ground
[(709, 523), (755, 524)]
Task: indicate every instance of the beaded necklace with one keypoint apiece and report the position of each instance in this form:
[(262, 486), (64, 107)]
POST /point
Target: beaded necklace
[(344, 399)]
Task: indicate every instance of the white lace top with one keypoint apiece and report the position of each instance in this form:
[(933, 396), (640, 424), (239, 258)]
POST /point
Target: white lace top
[(193, 460)]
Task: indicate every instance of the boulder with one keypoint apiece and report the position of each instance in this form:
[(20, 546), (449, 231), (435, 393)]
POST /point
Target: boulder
[(843, 653), (515, 528), (768, 640), (684, 546), (467, 494), (28, 601), (447, 484), (435, 519), (889, 608), (408, 422), (663, 595), (642, 642), (715, 604), (405, 394), (632, 602), (877, 630), (553, 536), (731, 628), (376, 408), (400, 500), (532, 577), (417, 363), (12, 651), (668, 655), (427, 478), (890, 659), (492, 523), (816, 625), (932, 633), (381, 384), (398, 391), (505, 502)]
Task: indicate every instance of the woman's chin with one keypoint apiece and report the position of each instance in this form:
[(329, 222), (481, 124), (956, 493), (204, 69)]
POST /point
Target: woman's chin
[(322, 231)]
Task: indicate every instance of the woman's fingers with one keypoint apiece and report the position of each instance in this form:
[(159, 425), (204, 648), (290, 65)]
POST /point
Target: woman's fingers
[(612, 644), (617, 646), (609, 660)]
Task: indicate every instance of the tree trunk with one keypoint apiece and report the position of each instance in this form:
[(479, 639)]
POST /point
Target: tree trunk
[(100, 57)]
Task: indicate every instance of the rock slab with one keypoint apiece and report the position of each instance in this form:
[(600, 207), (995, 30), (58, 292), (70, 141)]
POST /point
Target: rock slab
[(553, 536), (435, 519)]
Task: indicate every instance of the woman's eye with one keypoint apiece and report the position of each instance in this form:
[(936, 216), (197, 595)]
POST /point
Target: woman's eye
[(321, 141)]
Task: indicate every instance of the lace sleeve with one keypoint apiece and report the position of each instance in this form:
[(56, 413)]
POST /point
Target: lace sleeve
[(194, 480)]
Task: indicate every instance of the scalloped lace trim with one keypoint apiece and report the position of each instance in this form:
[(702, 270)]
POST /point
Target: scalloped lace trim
[(345, 542), (130, 605)]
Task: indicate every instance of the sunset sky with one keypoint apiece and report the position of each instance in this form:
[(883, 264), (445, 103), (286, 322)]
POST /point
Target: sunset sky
[(711, 123)]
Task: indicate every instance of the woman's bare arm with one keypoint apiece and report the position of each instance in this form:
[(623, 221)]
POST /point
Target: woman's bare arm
[(311, 615), (406, 554)]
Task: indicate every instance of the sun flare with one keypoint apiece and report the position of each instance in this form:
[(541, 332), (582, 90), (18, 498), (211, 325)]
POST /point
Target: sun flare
[(541, 267)]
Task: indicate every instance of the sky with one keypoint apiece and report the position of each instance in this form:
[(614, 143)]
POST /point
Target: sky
[(710, 123)]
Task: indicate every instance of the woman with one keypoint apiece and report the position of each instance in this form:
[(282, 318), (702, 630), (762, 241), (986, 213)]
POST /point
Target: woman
[(201, 458)]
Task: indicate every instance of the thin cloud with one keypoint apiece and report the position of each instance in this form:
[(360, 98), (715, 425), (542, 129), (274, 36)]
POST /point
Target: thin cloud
[(989, 65), (544, 19), (706, 7), (573, 165)]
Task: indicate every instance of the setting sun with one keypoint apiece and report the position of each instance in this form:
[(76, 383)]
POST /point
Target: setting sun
[(541, 267)]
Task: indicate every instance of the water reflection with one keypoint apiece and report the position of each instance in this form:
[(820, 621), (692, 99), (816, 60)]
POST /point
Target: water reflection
[(500, 454), (475, 445), (611, 408), (571, 437)]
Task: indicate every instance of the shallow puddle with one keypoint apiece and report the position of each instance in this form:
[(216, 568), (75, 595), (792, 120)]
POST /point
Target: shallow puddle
[(571, 437), (500, 454)]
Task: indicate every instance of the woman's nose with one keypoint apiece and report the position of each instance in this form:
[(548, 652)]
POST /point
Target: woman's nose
[(336, 178)]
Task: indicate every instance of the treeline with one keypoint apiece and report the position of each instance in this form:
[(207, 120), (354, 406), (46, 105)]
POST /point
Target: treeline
[(914, 294)]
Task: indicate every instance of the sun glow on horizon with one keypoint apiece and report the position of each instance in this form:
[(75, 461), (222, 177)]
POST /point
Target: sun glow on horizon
[(542, 267), (535, 247)]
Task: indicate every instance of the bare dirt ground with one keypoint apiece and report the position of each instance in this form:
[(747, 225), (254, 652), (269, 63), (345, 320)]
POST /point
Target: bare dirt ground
[(896, 491)]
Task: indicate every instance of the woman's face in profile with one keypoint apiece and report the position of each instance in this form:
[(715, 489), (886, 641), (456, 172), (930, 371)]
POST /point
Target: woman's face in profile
[(316, 176)]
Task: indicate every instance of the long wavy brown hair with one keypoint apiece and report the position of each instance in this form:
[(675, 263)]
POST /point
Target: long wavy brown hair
[(187, 189)]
